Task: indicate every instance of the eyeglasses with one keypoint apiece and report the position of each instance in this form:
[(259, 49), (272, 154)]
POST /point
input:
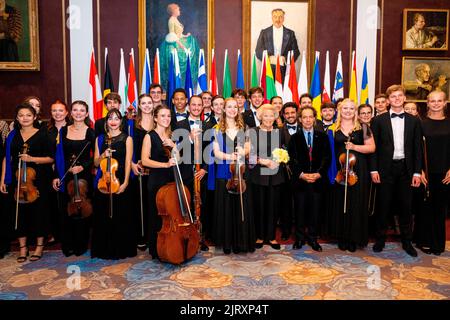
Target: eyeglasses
[(365, 114), (155, 92)]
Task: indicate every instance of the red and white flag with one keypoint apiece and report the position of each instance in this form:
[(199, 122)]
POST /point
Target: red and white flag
[(156, 69), (213, 86), (326, 81), (278, 81), (95, 92), (132, 84)]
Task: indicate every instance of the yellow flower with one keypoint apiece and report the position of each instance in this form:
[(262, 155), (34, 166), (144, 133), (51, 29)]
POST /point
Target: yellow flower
[(280, 155)]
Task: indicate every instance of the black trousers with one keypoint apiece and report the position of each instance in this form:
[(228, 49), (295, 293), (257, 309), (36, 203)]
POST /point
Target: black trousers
[(307, 205), (399, 182), (287, 208)]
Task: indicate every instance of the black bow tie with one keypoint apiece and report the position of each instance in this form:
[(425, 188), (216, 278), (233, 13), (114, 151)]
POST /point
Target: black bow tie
[(400, 115), (178, 114), (291, 127), (192, 122)]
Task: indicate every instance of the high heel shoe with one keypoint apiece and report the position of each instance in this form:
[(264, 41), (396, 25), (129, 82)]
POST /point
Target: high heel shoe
[(22, 259), (36, 257)]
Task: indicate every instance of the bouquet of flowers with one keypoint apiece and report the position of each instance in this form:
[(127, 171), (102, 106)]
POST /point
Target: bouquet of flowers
[(280, 155)]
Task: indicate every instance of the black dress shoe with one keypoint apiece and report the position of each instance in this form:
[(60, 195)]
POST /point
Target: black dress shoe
[(426, 250), (316, 246), (285, 236), (378, 246), (298, 245), (204, 247), (409, 249), (275, 246), (351, 247), (342, 245), (142, 247), (226, 251), (259, 245)]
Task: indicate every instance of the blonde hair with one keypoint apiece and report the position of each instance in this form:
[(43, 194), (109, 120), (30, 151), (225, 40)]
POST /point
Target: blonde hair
[(266, 107), (356, 123), (223, 122)]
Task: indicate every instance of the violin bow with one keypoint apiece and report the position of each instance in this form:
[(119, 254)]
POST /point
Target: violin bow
[(142, 206), (427, 188), (346, 175), (240, 187), (111, 209), (182, 187), (75, 161), (19, 178)]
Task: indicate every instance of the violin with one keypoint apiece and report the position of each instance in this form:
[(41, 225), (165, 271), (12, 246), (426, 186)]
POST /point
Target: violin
[(178, 239), (108, 182), (79, 205), (236, 184), (26, 191), (346, 175)]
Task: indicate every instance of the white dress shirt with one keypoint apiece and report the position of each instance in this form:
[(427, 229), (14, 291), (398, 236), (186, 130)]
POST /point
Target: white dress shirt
[(398, 131), (277, 40), (292, 128), (254, 114)]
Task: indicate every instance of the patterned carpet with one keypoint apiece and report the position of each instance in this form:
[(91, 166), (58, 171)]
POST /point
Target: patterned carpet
[(266, 274)]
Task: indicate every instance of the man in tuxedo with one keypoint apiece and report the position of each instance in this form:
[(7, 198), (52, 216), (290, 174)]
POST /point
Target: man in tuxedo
[(310, 154), (112, 101), (327, 111), (256, 100), (396, 165), (278, 41), (156, 92), (194, 126), (179, 101), (207, 101), (290, 127), (381, 104), (217, 105)]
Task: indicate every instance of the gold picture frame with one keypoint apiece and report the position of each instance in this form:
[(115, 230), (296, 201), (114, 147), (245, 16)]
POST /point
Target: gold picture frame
[(26, 56), (248, 39), (433, 25), (144, 28), (421, 75)]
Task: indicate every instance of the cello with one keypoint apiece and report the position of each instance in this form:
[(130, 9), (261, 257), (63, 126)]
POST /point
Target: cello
[(178, 239), (236, 184), (79, 205), (26, 191)]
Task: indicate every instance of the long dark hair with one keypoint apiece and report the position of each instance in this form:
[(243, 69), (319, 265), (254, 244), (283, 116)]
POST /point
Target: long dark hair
[(27, 106), (109, 115), (87, 121)]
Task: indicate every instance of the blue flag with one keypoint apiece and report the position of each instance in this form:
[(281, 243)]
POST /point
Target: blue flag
[(171, 83), (240, 73), (59, 160), (188, 80), (202, 81)]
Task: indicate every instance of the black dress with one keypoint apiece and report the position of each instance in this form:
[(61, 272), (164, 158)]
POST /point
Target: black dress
[(431, 220), (231, 230), (157, 178), (352, 226), (76, 230), (33, 218), (4, 216), (114, 238), (266, 183)]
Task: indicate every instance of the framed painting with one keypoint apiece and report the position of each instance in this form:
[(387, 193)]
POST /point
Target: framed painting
[(425, 29), (19, 35), (421, 75), (262, 19), (183, 25)]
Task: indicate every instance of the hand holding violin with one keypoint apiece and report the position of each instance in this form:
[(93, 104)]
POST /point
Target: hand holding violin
[(26, 157), (137, 168), (56, 183), (76, 169)]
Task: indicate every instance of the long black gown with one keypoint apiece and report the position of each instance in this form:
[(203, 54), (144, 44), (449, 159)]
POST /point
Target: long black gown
[(352, 226), (231, 230), (114, 238), (33, 218), (431, 218), (76, 230)]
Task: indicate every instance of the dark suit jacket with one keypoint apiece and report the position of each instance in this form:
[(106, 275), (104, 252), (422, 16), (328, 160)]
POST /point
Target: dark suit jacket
[(300, 162), (265, 42), (381, 160), (285, 133), (249, 118)]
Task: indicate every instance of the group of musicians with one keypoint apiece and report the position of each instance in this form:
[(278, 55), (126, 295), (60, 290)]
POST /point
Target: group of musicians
[(98, 187)]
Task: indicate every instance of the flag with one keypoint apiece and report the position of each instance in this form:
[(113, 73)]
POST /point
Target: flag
[(254, 72), (213, 76), (201, 79), (95, 92), (287, 93), (278, 84), (227, 86), (146, 74), (364, 85), (240, 84), (156, 69), (269, 90), (123, 86), (293, 85), (326, 80), (332, 169), (176, 64), (132, 85), (303, 77), (171, 81), (315, 86), (108, 85), (338, 91), (188, 79), (353, 94)]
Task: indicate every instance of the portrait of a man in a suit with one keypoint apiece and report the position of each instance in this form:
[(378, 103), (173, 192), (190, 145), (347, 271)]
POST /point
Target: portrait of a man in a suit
[(278, 41)]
